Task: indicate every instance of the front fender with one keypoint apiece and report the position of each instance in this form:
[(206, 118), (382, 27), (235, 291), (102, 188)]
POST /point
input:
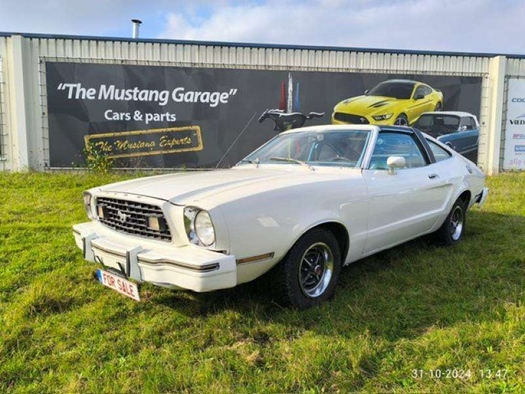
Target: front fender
[(272, 222)]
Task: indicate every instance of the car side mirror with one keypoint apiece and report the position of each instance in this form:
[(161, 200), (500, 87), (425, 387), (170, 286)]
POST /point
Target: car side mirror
[(395, 162)]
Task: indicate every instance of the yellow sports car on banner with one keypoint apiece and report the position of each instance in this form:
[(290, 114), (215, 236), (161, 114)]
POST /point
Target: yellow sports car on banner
[(393, 102)]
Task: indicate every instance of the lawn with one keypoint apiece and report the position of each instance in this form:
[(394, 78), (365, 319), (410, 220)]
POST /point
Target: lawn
[(416, 318)]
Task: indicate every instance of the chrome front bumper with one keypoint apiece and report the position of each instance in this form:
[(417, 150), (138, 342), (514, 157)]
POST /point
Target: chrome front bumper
[(187, 267)]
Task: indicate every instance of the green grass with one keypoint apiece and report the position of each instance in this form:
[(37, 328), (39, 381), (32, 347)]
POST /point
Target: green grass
[(398, 319)]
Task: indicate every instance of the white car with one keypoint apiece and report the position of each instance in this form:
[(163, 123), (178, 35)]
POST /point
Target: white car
[(303, 205)]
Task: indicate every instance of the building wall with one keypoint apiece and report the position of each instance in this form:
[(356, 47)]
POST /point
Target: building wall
[(24, 137)]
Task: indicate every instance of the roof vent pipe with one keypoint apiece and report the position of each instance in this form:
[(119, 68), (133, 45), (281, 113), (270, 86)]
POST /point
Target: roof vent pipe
[(136, 26)]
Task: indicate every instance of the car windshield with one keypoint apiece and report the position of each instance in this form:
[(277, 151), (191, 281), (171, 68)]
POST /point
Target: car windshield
[(438, 124), (398, 90), (341, 148)]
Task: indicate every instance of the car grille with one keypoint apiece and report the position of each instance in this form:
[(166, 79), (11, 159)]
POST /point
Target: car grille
[(131, 217), (350, 118)]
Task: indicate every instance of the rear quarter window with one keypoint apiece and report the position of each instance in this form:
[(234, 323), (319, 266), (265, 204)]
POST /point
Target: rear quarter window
[(440, 153)]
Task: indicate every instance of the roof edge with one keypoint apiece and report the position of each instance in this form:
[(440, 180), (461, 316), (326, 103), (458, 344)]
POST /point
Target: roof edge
[(261, 45)]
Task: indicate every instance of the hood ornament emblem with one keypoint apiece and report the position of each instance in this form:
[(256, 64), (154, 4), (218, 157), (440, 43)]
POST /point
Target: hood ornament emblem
[(122, 217)]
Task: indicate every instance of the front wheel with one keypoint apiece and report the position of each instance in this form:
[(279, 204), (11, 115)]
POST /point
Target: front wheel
[(308, 274), (401, 120), (451, 231)]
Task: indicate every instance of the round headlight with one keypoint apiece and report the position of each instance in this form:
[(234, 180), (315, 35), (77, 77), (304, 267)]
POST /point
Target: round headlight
[(203, 228)]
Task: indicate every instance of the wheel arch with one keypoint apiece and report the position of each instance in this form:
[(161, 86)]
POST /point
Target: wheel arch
[(402, 113), (341, 235), (465, 196)]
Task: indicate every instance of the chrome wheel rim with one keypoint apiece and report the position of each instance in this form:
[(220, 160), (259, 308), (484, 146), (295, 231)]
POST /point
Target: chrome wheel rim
[(457, 219), (401, 122), (316, 269)]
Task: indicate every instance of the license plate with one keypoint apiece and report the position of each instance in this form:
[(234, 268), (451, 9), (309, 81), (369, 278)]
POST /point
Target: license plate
[(115, 282)]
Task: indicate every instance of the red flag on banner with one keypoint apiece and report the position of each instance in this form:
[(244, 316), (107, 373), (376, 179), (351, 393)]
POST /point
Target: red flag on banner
[(282, 100)]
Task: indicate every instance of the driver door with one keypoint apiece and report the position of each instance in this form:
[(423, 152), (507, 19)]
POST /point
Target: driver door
[(408, 203), (421, 102)]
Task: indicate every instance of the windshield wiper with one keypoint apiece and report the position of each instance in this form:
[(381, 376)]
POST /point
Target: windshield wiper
[(254, 162), (290, 160)]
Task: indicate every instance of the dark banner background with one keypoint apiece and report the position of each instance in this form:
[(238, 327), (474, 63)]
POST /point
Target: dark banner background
[(72, 117)]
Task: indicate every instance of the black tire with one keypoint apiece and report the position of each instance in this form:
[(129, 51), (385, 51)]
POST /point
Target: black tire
[(438, 108), (401, 120), (452, 230), (308, 274)]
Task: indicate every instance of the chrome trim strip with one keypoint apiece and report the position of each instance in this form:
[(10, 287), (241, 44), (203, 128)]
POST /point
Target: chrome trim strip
[(254, 259), (203, 268)]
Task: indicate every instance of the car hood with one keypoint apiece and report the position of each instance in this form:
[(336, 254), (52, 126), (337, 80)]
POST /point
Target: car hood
[(368, 104), (220, 185)]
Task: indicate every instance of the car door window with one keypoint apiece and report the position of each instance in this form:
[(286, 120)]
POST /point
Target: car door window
[(465, 124), (440, 153), (397, 144), (420, 92)]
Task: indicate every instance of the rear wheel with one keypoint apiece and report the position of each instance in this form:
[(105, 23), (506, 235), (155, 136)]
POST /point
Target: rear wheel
[(308, 274), (438, 108), (451, 231)]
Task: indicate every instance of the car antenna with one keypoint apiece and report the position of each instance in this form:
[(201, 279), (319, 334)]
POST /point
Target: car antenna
[(233, 143)]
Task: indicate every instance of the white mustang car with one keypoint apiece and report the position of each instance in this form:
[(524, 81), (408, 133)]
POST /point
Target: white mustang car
[(303, 205)]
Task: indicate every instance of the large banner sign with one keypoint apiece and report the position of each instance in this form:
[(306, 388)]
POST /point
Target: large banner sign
[(172, 117), (514, 157)]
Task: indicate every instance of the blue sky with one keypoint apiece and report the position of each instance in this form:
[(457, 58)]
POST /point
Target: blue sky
[(484, 26)]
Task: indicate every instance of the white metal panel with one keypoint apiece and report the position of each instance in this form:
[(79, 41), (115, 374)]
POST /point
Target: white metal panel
[(279, 57), (484, 122), (5, 154), (515, 67), (3, 128), (39, 49)]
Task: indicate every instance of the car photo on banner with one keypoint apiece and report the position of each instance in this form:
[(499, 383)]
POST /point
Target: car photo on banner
[(458, 130), (393, 102)]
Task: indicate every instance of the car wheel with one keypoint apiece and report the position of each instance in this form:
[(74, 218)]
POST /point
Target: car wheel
[(308, 274), (451, 231), (438, 108), (401, 120)]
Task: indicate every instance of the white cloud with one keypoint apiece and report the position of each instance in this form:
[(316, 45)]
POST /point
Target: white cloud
[(493, 26), (440, 25)]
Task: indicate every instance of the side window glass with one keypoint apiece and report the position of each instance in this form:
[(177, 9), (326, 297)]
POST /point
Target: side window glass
[(396, 144), (465, 122), (440, 153), (420, 91)]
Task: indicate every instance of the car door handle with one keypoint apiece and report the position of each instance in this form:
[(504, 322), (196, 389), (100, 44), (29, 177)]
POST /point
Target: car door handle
[(433, 176)]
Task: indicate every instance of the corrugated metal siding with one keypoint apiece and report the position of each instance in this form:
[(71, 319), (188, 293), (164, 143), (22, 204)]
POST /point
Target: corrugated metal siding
[(515, 67), (483, 121), (37, 50), (91, 50), (256, 57), (503, 135), (3, 125)]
